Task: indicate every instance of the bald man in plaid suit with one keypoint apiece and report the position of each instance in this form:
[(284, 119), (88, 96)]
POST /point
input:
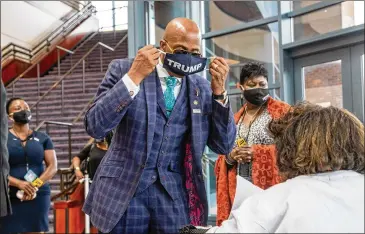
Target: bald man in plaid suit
[(150, 180)]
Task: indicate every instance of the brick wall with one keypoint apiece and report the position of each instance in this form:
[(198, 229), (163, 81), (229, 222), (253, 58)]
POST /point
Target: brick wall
[(323, 84)]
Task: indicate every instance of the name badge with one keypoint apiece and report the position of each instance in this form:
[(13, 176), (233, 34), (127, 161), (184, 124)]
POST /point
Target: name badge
[(30, 176), (241, 142), (197, 111)]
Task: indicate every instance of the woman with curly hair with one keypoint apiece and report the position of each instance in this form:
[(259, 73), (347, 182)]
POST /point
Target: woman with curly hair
[(320, 156), (253, 156)]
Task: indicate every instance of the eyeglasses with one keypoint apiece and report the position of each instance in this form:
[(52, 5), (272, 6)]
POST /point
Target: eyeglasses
[(195, 54), (180, 51)]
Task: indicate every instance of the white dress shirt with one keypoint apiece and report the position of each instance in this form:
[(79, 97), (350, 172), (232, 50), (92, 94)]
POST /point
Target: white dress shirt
[(162, 74), (331, 202)]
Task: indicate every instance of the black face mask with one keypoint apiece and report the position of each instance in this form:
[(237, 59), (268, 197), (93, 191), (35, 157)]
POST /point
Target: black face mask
[(256, 96), (22, 117)]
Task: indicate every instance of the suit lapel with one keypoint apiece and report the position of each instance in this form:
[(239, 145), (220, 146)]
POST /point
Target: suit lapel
[(160, 97), (149, 86), (195, 112)]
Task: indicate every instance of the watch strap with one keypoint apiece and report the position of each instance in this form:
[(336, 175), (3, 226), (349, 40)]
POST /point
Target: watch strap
[(221, 96)]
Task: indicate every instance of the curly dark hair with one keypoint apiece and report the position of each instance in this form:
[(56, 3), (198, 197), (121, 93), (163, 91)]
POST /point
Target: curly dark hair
[(312, 139), (252, 70), (10, 101)]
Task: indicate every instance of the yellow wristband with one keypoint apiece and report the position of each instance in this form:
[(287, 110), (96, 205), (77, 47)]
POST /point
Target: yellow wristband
[(37, 183)]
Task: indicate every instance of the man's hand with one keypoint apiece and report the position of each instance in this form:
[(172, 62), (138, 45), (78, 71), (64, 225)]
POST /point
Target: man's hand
[(242, 154), (144, 63), (219, 70)]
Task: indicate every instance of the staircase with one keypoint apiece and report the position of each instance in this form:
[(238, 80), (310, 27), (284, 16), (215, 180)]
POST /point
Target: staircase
[(74, 98)]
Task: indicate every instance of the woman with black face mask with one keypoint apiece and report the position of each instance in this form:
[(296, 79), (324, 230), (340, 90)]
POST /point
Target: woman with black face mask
[(253, 156), (29, 188)]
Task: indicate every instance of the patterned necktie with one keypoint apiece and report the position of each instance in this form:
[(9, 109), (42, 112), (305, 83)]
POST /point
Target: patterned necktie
[(169, 94)]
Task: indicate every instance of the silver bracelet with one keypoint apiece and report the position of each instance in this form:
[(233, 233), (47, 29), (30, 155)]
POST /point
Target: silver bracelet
[(229, 160)]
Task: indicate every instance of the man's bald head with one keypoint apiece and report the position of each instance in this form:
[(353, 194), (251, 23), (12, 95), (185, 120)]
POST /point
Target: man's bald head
[(181, 33)]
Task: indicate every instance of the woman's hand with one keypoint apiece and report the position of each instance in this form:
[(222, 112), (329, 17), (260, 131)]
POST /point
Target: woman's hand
[(79, 175), (27, 187), (242, 154), (27, 197)]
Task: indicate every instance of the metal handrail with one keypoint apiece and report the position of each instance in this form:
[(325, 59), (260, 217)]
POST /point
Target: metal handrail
[(83, 110), (64, 49), (35, 63), (11, 50), (92, 99), (71, 186), (61, 28), (73, 4), (85, 41), (59, 58), (34, 51), (68, 125), (12, 44), (121, 41), (66, 74)]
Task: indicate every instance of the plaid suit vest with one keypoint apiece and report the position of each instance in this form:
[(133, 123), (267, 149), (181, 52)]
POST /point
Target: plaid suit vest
[(165, 162)]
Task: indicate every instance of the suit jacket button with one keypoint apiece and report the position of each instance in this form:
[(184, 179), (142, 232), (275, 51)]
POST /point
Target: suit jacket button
[(143, 166)]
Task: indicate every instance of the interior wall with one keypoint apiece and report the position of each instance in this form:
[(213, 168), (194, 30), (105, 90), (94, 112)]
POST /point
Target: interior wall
[(254, 44), (25, 23)]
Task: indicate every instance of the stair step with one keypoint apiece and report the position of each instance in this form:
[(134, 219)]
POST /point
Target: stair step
[(50, 80), (74, 98)]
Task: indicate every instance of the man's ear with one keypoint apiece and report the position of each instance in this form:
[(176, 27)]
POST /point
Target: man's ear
[(163, 45)]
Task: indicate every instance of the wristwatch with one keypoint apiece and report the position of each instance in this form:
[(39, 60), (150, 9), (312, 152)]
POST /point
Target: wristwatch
[(221, 96), (77, 169)]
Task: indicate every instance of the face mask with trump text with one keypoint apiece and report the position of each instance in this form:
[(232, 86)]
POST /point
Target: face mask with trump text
[(184, 64)]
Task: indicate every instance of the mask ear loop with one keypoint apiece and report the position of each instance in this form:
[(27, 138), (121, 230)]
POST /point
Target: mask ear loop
[(160, 62), (210, 58)]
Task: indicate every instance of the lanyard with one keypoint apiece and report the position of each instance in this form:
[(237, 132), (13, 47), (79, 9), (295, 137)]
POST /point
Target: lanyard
[(249, 126), (25, 152), (24, 148), (246, 167)]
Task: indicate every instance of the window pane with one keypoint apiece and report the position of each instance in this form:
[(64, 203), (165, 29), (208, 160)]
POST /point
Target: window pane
[(362, 82), (254, 45), (208, 162), (120, 3), (277, 94), (300, 4), (236, 102), (121, 16), (121, 27), (344, 15), (223, 14), (165, 11), (105, 18), (102, 5), (323, 84)]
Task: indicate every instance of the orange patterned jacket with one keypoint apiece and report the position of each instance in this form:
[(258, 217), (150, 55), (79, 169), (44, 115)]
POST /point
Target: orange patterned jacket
[(264, 169)]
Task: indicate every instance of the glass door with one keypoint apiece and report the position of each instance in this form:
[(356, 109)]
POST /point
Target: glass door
[(357, 72), (332, 78)]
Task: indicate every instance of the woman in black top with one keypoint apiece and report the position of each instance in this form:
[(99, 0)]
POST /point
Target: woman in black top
[(30, 152), (93, 152)]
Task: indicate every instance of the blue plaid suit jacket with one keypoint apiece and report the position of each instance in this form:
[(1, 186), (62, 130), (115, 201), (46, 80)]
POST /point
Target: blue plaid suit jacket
[(118, 175)]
